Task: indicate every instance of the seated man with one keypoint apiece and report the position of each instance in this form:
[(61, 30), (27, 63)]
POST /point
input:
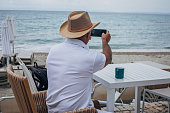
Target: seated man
[(70, 65)]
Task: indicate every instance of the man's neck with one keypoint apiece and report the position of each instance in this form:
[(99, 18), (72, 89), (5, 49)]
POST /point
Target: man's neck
[(83, 39)]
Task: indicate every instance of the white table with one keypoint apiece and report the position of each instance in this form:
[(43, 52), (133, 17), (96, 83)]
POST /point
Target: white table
[(135, 75)]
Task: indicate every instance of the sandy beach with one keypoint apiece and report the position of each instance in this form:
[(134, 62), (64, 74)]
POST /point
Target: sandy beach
[(117, 57), (122, 57), (128, 57)]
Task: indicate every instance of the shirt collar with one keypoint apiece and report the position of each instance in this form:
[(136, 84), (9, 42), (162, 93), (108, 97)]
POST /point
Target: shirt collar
[(76, 42)]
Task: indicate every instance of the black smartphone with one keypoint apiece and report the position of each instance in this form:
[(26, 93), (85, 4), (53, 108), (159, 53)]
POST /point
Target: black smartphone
[(98, 32)]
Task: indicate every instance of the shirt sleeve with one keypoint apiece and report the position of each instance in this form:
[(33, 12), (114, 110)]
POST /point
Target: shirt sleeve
[(99, 62)]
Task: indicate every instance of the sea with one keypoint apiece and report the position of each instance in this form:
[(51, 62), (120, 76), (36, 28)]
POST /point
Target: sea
[(38, 31)]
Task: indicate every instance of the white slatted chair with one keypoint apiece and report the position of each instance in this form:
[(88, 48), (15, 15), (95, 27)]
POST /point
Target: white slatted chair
[(28, 75), (165, 93)]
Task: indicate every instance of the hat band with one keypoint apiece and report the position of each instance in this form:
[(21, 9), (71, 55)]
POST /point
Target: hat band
[(80, 29)]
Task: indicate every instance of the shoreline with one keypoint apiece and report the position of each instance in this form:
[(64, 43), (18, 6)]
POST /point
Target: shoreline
[(140, 50), (161, 56), (113, 50)]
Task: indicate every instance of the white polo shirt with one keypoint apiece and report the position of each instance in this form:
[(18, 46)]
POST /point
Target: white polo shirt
[(70, 68)]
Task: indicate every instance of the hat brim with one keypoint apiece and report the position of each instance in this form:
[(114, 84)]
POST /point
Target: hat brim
[(67, 34)]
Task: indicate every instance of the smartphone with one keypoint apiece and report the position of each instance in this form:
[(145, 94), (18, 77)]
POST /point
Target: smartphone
[(98, 32)]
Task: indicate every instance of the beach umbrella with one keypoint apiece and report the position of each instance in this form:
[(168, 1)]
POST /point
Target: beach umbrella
[(11, 29), (6, 48), (8, 32)]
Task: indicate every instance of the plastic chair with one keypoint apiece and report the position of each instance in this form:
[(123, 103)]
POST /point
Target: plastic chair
[(27, 102), (164, 93), (28, 75)]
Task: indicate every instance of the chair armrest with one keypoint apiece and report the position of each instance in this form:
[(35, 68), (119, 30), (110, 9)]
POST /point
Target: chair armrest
[(95, 86), (40, 101)]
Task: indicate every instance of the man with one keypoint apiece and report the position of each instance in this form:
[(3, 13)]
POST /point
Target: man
[(70, 65)]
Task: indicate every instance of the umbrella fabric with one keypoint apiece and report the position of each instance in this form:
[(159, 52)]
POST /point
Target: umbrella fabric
[(11, 28), (6, 48)]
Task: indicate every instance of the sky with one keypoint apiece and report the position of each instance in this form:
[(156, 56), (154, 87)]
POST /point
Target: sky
[(154, 6)]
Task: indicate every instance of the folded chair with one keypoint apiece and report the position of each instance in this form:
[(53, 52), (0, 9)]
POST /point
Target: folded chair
[(27, 102)]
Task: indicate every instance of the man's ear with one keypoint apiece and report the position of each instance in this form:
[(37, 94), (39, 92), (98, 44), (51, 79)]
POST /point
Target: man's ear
[(89, 35)]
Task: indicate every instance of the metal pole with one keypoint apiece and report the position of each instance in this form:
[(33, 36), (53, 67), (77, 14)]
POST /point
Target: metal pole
[(13, 47), (7, 59)]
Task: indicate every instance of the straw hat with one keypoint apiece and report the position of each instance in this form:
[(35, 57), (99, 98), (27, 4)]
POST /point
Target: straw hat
[(78, 24)]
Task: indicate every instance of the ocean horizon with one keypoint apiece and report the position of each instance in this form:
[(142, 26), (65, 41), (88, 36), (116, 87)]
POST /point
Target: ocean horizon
[(39, 30)]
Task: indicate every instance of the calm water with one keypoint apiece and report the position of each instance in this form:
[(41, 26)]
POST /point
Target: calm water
[(39, 30)]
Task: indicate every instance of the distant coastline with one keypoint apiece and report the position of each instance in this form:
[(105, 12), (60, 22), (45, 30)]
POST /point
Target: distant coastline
[(145, 13)]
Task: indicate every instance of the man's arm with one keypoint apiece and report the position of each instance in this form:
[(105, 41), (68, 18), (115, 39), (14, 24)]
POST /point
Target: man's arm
[(106, 48)]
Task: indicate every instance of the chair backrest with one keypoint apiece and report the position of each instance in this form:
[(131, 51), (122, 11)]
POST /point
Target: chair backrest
[(28, 75), (21, 90)]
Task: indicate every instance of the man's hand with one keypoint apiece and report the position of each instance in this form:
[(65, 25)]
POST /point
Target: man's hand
[(106, 48), (106, 37)]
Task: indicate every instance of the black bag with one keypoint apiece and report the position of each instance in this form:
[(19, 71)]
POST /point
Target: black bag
[(39, 75)]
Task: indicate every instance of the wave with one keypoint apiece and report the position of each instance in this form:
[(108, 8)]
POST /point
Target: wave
[(94, 47), (166, 47), (41, 41)]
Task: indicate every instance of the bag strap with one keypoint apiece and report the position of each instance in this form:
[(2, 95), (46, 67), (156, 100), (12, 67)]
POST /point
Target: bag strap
[(35, 65)]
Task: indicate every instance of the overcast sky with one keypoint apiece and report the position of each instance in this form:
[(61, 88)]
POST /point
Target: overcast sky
[(156, 6)]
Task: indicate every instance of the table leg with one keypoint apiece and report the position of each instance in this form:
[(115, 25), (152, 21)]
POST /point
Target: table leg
[(168, 106), (137, 99), (110, 99)]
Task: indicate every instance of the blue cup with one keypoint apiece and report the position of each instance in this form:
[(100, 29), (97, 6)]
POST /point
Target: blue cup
[(119, 72)]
